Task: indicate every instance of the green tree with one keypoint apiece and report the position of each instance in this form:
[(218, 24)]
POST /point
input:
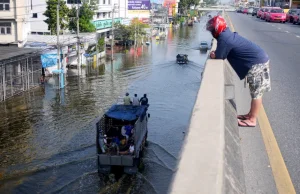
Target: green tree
[(137, 26), (122, 32), (101, 44), (125, 33), (184, 5), (86, 13), (51, 11)]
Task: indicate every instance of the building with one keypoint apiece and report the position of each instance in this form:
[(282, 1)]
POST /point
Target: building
[(14, 23), (103, 17), (20, 18)]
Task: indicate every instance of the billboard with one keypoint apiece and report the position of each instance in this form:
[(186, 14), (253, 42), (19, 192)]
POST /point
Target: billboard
[(170, 4), (139, 5)]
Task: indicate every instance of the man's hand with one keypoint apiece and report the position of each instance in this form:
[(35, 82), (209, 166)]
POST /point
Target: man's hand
[(212, 55)]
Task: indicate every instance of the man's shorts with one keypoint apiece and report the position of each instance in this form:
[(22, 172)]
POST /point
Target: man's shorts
[(258, 79)]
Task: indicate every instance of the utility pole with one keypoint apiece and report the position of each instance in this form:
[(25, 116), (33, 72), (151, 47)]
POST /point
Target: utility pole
[(152, 16), (112, 32), (119, 9), (135, 34), (57, 34), (97, 50), (78, 39), (126, 9)]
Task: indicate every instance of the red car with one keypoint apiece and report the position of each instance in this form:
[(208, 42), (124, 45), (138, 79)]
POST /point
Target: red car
[(263, 13), (276, 15), (267, 11), (259, 12), (245, 11)]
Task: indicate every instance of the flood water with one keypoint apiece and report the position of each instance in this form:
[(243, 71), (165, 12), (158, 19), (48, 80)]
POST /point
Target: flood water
[(48, 136)]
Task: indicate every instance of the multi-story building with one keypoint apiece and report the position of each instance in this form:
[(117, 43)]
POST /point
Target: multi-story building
[(14, 23), (102, 18), (104, 15), (19, 18)]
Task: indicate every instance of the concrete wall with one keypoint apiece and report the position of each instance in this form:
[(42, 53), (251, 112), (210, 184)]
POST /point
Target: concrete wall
[(211, 160), (18, 16), (38, 24)]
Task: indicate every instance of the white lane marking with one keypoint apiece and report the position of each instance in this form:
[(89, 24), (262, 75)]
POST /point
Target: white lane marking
[(279, 28), (298, 36), (287, 31)]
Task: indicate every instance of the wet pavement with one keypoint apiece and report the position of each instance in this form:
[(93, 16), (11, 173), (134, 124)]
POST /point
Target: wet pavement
[(48, 136)]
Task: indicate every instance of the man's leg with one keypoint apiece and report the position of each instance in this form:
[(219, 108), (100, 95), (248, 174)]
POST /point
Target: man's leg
[(259, 82), (252, 115)]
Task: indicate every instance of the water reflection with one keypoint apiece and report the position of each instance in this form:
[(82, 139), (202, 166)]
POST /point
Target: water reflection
[(47, 137)]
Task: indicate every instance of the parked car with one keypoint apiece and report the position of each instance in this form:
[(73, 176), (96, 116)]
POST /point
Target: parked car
[(267, 13), (250, 10), (296, 16), (245, 11), (275, 15), (239, 9), (260, 11), (255, 9), (264, 13), (289, 15)]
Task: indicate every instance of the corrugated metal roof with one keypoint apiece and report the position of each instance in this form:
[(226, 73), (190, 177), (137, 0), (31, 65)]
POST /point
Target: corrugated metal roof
[(7, 52)]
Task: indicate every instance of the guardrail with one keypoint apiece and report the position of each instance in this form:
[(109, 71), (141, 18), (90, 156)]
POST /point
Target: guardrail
[(211, 161)]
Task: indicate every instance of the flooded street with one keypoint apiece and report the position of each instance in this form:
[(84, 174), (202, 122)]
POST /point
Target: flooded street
[(48, 137)]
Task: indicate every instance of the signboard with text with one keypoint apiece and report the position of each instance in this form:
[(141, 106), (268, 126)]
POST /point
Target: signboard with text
[(139, 5), (102, 24)]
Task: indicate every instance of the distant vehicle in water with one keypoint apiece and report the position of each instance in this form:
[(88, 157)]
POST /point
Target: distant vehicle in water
[(182, 59), (121, 137), (203, 46)]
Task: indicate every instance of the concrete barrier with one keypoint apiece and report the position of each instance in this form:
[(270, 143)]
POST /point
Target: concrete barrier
[(211, 160)]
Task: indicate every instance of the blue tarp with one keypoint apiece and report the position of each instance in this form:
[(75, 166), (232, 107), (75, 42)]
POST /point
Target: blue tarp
[(126, 112), (48, 60)]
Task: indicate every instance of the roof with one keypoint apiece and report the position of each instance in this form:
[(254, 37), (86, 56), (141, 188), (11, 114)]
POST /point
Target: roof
[(7, 52), (126, 112)]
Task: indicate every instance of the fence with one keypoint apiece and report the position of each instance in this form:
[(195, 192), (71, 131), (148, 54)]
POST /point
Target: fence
[(19, 75)]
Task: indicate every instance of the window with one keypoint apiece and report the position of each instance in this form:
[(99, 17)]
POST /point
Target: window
[(34, 15), (104, 15), (72, 1), (109, 2), (103, 2), (109, 14), (5, 28), (4, 5), (98, 15), (277, 11)]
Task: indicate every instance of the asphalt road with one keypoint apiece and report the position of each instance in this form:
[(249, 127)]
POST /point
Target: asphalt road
[(282, 104)]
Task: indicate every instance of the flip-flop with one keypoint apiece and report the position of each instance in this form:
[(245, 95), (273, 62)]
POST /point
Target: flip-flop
[(243, 117), (247, 125)]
